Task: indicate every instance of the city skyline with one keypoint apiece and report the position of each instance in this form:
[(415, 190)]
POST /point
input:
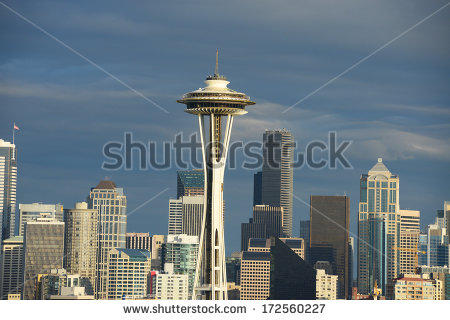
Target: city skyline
[(358, 105)]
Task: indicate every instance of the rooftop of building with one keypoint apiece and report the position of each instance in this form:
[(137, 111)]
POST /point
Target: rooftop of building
[(6, 144), (106, 184), (13, 239), (191, 178), (181, 239), (379, 167), (135, 254)]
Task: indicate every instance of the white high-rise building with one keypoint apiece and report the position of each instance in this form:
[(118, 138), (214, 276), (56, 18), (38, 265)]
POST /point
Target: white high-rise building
[(175, 216), (8, 182), (171, 286), (111, 204), (185, 215), (32, 211), (326, 285), (214, 103)]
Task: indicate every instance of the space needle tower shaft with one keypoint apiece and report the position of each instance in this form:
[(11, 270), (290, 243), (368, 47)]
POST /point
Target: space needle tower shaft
[(215, 105)]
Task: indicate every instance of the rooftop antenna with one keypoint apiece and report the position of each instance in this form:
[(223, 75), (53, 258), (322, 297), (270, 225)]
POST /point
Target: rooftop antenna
[(216, 72)]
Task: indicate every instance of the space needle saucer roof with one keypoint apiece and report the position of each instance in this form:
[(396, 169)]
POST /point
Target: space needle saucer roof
[(216, 98)]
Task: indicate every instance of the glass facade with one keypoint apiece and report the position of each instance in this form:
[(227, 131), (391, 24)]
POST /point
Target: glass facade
[(378, 229), (43, 251), (181, 251)]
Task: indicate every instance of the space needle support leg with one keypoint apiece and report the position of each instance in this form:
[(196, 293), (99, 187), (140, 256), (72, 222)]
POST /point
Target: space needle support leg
[(226, 144), (201, 247)]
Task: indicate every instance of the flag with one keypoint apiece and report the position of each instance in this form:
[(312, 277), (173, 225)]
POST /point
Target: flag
[(16, 127)]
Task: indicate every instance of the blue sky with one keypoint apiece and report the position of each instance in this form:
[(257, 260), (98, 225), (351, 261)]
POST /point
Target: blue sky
[(394, 105)]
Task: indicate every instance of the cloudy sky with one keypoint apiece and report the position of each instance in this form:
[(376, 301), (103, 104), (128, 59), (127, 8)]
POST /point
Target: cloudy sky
[(395, 104)]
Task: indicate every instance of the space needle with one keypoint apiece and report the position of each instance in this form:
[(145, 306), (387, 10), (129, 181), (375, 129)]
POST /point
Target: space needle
[(221, 104)]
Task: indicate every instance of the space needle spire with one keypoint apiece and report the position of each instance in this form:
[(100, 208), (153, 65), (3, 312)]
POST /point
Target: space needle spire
[(216, 71), (216, 105)]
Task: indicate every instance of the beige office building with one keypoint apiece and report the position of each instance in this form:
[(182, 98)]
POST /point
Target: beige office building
[(81, 243), (255, 267), (111, 204), (414, 287), (128, 274), (326, 285), (409, 239)]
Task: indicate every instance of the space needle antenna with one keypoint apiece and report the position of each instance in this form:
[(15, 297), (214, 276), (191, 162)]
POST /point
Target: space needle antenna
[(216, 72)]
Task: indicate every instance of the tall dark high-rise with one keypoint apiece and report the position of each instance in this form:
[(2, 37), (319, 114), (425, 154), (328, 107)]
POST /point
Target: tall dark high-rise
[(267, 221), (257, 188), (252, 230), (304, 234), (278, 174), (190, 183), (329, 236)]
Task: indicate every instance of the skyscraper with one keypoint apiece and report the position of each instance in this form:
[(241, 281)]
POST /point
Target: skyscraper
[(218, 102), (81, 244), (329, 237), (141, 241), (180, 251), (185, 215), (267, 221), (252, 230), (11, 267), (175, 216), (270, 216), (304, 234), (257, 265), (171, 286), (8, 181), (190, 183), (43, 251), (110, 203), (291, 278), (128, 274), (378, 229), (437, 245), (409, 241), (257, 188), (278, 174), (31, 211)]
